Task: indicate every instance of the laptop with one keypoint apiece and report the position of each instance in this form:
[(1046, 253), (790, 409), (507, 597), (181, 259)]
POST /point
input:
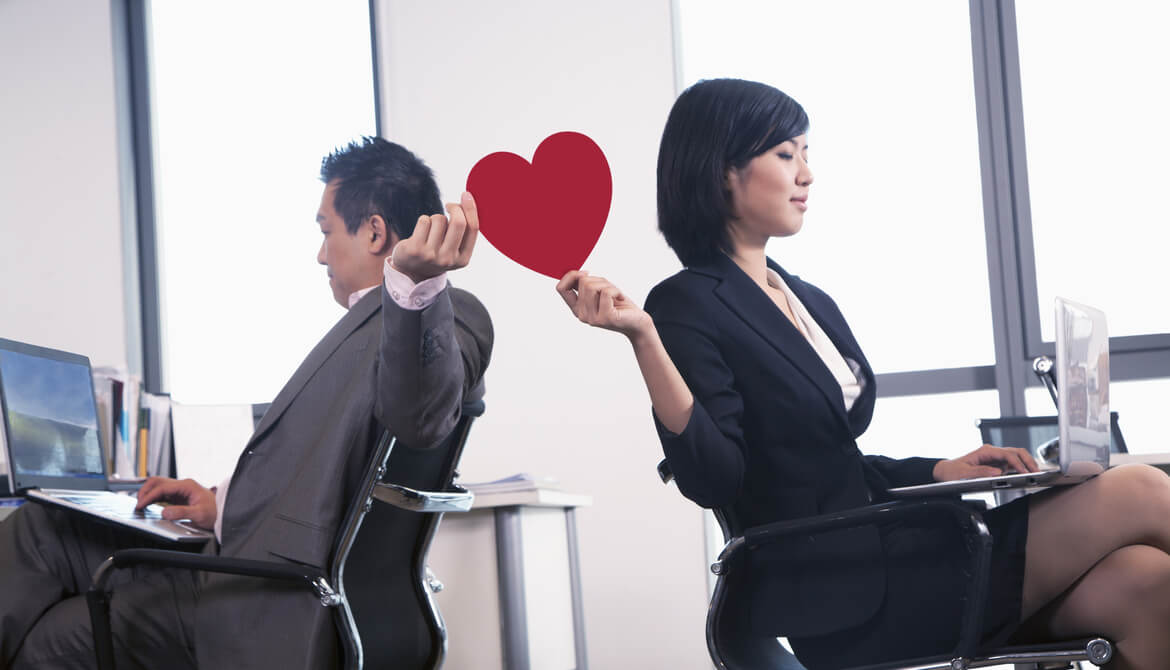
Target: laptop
[(49, 434), (1083, 418)]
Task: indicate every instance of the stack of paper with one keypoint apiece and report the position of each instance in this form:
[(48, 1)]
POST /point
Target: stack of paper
[(522, 481)]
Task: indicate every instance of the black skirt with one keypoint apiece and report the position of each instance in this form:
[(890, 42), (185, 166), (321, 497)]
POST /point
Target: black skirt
[(927, 576)]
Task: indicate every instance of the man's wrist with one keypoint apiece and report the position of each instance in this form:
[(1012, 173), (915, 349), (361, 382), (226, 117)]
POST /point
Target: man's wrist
[(413, 276)]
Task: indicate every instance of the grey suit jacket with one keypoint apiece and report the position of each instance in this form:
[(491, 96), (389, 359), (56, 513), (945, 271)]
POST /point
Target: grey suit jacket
[(379, 366)]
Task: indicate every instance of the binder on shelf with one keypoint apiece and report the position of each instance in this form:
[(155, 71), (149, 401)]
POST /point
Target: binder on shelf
[(134, 426), (159, 441)]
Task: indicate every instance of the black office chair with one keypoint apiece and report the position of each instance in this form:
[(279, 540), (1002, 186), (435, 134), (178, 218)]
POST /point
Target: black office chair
[(732, 647), (378, 584)]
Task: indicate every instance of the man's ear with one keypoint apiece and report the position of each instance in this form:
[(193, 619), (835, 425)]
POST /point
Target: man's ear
[(382, 238)]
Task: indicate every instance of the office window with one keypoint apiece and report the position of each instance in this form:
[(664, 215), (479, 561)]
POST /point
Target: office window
[(940, 425), (895, 228), (247, 99), (1094, 97)]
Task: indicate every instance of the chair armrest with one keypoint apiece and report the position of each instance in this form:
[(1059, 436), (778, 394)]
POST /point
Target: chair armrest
[(286, 571), (968, 518), (98, 598), (412, 500), (664, 471)]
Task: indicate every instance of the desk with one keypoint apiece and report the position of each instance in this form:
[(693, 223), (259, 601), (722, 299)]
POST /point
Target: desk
[(512, 582), (1160, 461)]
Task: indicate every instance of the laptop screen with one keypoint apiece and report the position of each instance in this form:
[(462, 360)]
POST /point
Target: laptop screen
[(49, 418), (1082, 380)]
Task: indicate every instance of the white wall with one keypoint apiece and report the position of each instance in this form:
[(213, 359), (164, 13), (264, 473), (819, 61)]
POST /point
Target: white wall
[(463, 79), (61, 275)]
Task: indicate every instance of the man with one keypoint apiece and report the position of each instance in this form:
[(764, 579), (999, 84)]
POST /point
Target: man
[(407, 354)]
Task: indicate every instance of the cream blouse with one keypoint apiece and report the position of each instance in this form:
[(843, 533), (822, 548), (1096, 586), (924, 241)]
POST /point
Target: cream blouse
[(844, 370)]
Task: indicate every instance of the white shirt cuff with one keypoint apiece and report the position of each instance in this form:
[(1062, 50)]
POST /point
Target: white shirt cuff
[(409, 295), (220, 498)]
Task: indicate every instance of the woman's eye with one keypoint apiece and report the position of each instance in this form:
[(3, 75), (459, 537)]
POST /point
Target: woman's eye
[(786, 156)]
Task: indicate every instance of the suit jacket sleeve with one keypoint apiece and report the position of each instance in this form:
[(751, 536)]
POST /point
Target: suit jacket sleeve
[(430, 361), (902, 471), (707, 457)]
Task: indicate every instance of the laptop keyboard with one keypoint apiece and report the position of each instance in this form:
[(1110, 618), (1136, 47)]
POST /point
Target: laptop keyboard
[(111, 504)]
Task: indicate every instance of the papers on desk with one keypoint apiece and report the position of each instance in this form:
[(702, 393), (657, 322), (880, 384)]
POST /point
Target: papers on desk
[(522, 481), (209, 439), (523, 489)]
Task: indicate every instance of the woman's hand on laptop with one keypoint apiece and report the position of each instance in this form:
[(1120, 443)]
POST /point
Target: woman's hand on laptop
[(185, 499), (986, 461)]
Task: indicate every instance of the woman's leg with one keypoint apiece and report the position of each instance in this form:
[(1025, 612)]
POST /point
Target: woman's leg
[(1125, 597), (1099, 552)]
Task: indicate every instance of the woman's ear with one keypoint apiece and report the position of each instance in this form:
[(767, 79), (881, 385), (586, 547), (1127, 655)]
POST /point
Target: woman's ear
[(731, 184), (734, 176)]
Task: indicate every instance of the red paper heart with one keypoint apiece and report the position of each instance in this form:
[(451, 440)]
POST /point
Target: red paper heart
[(547, 215)]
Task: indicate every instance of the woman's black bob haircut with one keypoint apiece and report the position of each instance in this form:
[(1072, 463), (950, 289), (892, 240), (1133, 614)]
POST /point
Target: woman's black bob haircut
[(715, 125)]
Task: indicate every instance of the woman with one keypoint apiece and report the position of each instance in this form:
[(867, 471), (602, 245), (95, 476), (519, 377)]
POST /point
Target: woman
[(760, 391)]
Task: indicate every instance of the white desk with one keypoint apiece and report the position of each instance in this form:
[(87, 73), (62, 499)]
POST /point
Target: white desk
[(511, 572), (1160, 461)]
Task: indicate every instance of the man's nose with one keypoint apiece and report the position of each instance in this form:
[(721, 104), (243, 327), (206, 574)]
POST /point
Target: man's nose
[(321, 254)]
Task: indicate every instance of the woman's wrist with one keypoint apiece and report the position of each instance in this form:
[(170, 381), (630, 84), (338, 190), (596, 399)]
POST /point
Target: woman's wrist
[(644, 337)]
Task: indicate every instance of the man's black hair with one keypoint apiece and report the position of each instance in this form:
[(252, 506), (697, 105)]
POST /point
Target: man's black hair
[(714, 126), (379, 177)]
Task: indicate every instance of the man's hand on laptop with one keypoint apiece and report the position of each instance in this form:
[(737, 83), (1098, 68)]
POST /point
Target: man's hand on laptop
[(186, 499), (438, 243), (986, 461)]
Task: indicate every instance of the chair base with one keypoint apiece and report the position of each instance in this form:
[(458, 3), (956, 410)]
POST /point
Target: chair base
[(1098, 651)]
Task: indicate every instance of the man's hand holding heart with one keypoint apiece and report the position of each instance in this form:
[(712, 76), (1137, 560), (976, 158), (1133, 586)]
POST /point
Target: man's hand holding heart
[(439, 242)]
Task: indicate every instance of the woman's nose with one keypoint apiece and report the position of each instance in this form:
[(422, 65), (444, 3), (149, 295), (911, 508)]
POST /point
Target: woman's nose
[(805, 177)]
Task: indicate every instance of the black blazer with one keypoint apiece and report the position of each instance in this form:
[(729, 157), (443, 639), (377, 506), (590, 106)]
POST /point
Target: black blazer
[(769, 439)]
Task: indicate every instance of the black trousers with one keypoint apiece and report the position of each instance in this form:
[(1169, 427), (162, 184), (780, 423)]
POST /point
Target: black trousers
[(47, 556)]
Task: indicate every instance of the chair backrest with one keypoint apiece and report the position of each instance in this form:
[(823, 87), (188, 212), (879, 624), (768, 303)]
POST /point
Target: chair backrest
[(384, 571), (1029, 432), (728, 643), (728, 521)]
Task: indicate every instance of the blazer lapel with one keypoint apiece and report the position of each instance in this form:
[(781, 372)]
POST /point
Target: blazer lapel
[(859, 415), (355, 317), (756, 309)]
